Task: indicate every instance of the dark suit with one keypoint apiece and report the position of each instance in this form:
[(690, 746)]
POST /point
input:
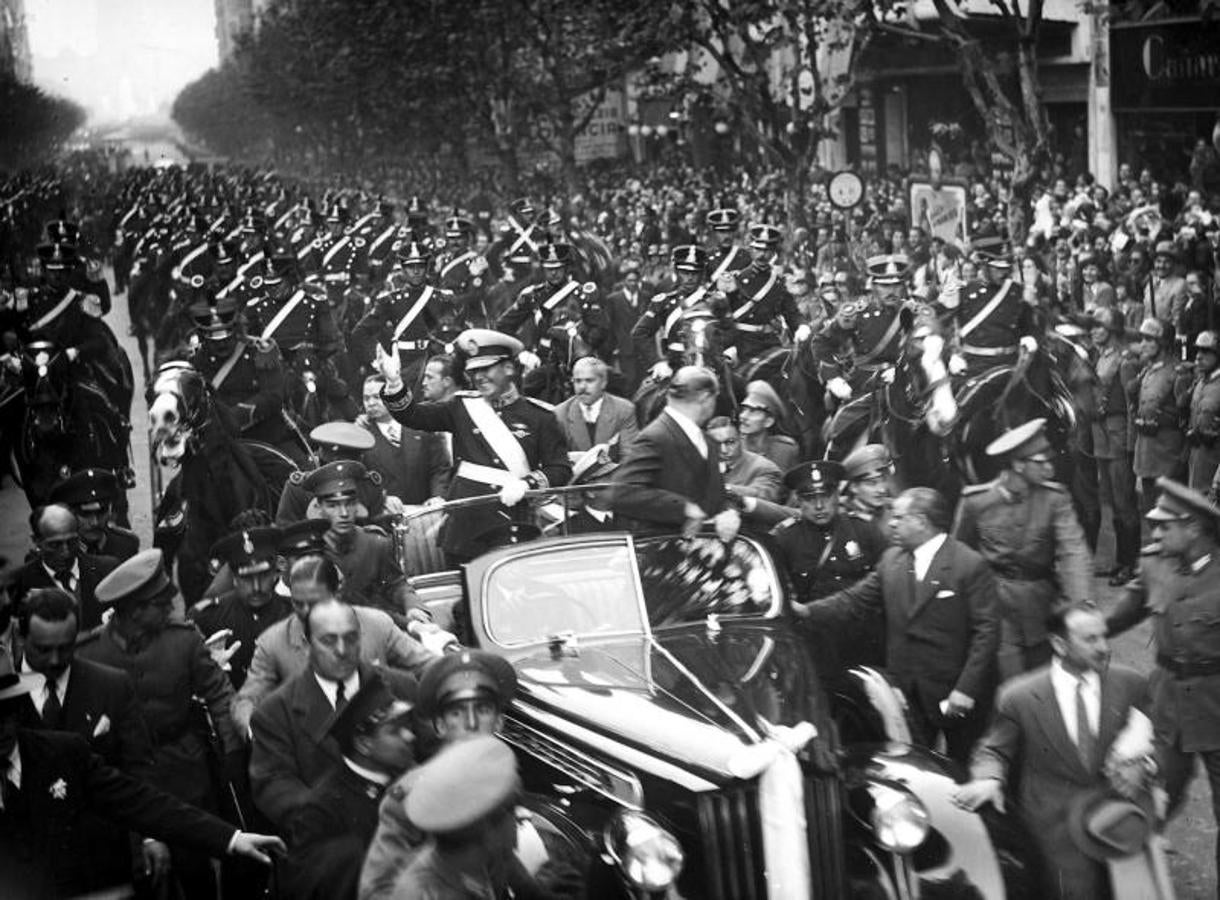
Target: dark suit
[(415, 470), (291, 750), (1029, 749), (41, 852), (940, 635), (92, 570), (617, 416), (621, 315), (664, 471)]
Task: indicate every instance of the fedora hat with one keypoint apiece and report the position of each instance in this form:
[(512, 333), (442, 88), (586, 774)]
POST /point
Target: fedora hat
[(1104, 825)]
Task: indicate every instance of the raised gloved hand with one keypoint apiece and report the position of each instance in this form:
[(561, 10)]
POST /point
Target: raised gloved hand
[(221, 655), (1029, 343), (887, 374), (389, 366)]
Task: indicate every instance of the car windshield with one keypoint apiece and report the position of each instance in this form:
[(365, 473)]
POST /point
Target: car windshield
[(585, 590), (686, 580)]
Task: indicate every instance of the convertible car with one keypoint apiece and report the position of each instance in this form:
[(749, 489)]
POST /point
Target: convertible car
[(672, 728)]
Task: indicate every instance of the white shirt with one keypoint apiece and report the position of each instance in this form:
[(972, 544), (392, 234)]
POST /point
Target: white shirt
[(38, 685), (690, 429), (593, 410), (601, 515), (1064, 683), (331, 688), (74, 572), (925, 553)]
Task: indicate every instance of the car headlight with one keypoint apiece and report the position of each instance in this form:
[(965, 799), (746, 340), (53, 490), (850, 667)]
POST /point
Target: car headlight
[(647, 854), (899, 818)]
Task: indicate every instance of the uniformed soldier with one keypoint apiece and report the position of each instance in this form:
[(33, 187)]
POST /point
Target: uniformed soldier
[(92, 494), (365, 555), (757, 414), (991, 322), (87, 276), (868, 473), (1159, 397), (759, 298), (834, 349), (464, 273), (169, 666), (247, 609), (559, 300), (332, 441), (378, 256), (246, 374), (1203, 426), (725, 255), (1115, 367), (666, 311), (1178, 586), (1024, 525), (403, 319), (501, 441)]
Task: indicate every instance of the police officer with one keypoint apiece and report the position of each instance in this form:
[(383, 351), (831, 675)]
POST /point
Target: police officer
[(1177, 586), (1023, 524), (248, 608), (759, 297), (1115, 367), (332, 441), (502, 441), (559, 300), (665, 312), (169, 665), (725, 256), (92, 494), (1203, 426), (464, 273), (869, 473), (992, 323), (1159, 396)]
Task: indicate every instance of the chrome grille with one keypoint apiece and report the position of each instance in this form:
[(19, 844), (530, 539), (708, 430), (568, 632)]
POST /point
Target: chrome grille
[(824, 818), (590, 773)]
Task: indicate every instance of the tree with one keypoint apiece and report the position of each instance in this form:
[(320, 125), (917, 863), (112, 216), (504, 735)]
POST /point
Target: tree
[(33, 124)]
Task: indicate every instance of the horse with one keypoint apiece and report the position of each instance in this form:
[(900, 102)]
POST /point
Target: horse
[(148, 297), (64, 420), (702, 344), (218, 474)]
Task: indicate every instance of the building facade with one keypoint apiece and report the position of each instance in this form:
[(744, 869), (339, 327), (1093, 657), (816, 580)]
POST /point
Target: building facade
[(15, 56)]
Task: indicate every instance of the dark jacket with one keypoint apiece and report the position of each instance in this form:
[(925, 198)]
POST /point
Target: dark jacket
[(414, 471), (92, 570)]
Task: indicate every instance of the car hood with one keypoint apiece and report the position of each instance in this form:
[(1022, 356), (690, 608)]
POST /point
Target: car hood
[(692, 694)]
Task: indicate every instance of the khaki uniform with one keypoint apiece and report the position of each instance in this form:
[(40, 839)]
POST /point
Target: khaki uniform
[(1158, 434), (1115, 367), (1203, 432)]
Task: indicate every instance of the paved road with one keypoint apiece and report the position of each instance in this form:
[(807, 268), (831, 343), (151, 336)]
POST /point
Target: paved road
[(1192, 835)]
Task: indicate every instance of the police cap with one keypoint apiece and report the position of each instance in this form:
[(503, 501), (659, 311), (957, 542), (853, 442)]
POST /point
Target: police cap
[(1021, 442), (867, 460), (466, 675), (303, 538), (250, 551), (336, 479), (88, 490), (138, 579), (821, 476), (463, 784), (386, 697)]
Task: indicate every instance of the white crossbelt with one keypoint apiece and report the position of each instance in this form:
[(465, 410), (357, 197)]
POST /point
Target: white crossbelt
[(485, 474), (413, 312), (285, 311)]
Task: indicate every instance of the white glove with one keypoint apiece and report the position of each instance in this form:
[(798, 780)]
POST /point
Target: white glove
[(661, 370), (513, 492), (394, 506), (73, 354), (887, 374), (727, 523), (390, 368), (529, 360), (726, 283), (730, 355), (216, 648), (1029, 342), (957, 364), (802, 334), (839, 388)]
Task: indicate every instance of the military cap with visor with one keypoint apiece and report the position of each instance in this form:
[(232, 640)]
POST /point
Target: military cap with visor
[(466, 675), (388, 697), (870, 459), (336, 437), (463, 785), (1022, 442), (303, 538), (249, 551), (821, 476), (484, 347), (1178, 503), (136, 580), (761, 396), (89, 490), (335, 480)]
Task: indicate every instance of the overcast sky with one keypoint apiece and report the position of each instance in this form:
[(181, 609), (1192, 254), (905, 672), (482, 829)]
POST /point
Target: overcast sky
[(120, 58)]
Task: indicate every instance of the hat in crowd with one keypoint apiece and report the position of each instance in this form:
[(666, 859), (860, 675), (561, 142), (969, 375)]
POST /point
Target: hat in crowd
[(412, 253), (13, 688), (57, 257), (336, 479), (1208, 340), (1178, 502), (1155, 328), (248, 552), (888, 268), (553, 256), (689, 258), (723, 219), (89, 490), (467, 675), (765, 237), (458, 227), (594, 463), (61, 231), (303, 538), (336, 437), (387, 697), (226, 252), (1021, 442), (1104, 825), (994, 251), (761, 396), (1088, 258), (867, 460), (1166, 248), (484, 347), (416, 212), (210, 311), (463, 784), (821, 476), (138, 579)]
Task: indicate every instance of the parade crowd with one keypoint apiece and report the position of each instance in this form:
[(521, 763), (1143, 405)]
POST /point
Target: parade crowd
[(326, 368)]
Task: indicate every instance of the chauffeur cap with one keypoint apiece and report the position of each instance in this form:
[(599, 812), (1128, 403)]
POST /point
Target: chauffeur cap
[(138, 579), (1178, 502), (302, 538), (485, 347), (250, 551), (463, 784), (466, 676), (88, 490), (336, 479), (1021, 442), (867, 460), (822, 476), (337, 436)]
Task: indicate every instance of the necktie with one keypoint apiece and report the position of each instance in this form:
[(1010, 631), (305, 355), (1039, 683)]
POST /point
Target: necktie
[(51, 707), (340, 697), (67, 581), (1086, 741)]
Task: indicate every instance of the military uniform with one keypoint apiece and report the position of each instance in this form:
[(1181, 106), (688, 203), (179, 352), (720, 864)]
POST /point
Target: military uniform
[(540, 306), (246, 622), (821, 561), (762, 297), (1159, 443), (988, 324), (1114, 368), (1203, 431), (247, 377), (402, 320), (465, 274)]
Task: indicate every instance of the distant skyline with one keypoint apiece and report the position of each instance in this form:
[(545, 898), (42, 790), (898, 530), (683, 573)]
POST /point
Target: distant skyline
[(120, 58)]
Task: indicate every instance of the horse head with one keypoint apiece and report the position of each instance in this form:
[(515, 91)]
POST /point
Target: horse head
[(178, 410), (702, 339), (925, 359), (46, 378)]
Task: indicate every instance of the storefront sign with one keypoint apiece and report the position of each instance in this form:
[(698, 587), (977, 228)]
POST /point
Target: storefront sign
[(1165, 65), (940, 210)]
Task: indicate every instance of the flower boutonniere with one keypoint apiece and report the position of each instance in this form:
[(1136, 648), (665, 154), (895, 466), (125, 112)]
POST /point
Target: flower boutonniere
[(59, 790)]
